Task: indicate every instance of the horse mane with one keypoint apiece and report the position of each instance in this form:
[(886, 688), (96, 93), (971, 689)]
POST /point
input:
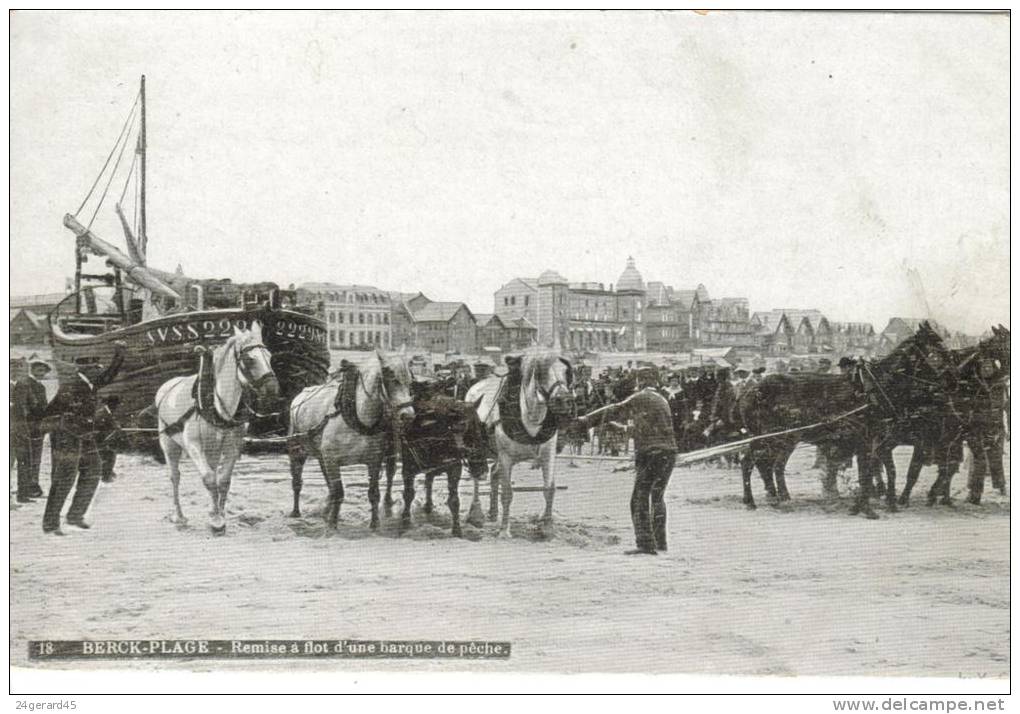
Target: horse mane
[(534, 359), (397, 362)]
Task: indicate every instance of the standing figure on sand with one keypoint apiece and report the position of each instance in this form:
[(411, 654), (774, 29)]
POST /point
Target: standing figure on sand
[(523, 411), (206, 414), (348, 421)]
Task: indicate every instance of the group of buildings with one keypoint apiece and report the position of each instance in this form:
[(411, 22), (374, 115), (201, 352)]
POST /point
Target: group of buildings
[(581, 317), (629, 316)]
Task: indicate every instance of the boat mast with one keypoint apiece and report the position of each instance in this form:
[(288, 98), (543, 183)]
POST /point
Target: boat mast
[(143, 239)]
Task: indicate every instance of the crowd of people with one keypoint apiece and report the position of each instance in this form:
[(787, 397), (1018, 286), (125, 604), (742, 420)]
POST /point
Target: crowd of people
[(81, 428)]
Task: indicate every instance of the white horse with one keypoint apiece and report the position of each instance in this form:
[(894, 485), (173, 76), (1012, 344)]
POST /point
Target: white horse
[(209, 421), (348, 421), (535, 394)]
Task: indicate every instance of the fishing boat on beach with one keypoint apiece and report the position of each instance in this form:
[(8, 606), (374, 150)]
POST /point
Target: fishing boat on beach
[(164, 317)]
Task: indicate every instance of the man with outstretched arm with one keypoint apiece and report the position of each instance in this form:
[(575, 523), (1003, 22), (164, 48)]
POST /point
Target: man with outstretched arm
[(75, 454), (655, 454)]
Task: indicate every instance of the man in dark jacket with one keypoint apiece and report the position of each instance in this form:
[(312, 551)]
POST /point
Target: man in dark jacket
[(655, 454), (75, 455), (28, 405)]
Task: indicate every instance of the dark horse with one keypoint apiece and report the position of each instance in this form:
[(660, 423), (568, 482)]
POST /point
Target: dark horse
[(907, 381), (974, 414), (444, 433)]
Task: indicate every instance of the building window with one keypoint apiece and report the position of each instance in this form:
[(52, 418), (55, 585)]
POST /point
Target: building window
[(340, 317), (513, 299), (361, 318), (341, 337), (386, 319), (526, 300)]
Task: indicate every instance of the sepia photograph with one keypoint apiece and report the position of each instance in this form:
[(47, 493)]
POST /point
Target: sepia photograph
[(360, 346)]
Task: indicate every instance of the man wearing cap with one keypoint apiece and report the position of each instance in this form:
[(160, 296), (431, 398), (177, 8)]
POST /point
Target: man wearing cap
[(655, 454), (28, 404), (75, 454)]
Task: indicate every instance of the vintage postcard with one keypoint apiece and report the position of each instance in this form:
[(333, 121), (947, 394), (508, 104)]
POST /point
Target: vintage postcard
[(355, 344)]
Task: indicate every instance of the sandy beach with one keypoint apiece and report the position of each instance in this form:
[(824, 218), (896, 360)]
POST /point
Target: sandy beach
[(803, 589)]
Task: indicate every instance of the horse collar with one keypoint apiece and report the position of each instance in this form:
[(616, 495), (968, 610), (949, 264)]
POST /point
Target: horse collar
[(347, 398), (510, 415)]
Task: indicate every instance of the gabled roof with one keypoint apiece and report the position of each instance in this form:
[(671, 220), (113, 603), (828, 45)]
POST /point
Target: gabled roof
[(903, 326), (523, 323), (37, 320), (770, 322), (685, 298), (658, 293), (483, 319), (530, 283), (440, 312)]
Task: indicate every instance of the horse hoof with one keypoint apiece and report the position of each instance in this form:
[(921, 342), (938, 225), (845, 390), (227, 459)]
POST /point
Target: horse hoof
[(295, 514), (751, 506), (427, 510), (456, 533), (871, 515), (493, 515), (218, 526), (505, 534), (892, 507), (947, 502)]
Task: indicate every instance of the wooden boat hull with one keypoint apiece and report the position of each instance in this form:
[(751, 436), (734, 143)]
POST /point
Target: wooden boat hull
[(165, 347)]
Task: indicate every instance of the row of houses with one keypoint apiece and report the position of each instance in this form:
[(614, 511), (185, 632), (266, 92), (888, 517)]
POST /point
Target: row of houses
[(363, 317)]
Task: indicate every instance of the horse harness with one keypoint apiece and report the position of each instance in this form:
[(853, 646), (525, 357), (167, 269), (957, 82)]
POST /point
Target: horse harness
[(508, 399), (346, 402), (203, 392)]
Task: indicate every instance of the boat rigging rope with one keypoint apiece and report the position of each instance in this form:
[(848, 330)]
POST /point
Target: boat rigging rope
[(127, 181), (123, 130), (113, 173)]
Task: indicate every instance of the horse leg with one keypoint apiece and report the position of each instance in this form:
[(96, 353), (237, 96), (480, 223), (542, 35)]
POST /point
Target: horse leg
[(172, 451), (862, 504), (976, 477), (890, 472), (453, 497), (950, 468), (506, 495), (830, 470), (780, 475), (764, 465), (494, 483), (373, 493), (405, 516), (913, 472), (334, 481), (549, 484), (746, 467), (429, 479), (296, 455), (193, 444), (391, 471), (475, 516), (994, 455), (229, 454)]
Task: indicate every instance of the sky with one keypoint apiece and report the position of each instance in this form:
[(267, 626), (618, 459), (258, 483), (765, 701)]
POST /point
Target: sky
[(853, 163)]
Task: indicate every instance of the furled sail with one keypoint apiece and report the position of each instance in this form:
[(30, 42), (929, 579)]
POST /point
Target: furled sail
[(136, 273)]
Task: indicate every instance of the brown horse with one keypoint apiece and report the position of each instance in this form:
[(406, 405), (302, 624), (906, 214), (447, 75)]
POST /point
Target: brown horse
[(909, 383)]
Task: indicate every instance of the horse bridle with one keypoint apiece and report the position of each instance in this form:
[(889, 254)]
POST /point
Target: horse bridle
[(384, 393), (247, 380)]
